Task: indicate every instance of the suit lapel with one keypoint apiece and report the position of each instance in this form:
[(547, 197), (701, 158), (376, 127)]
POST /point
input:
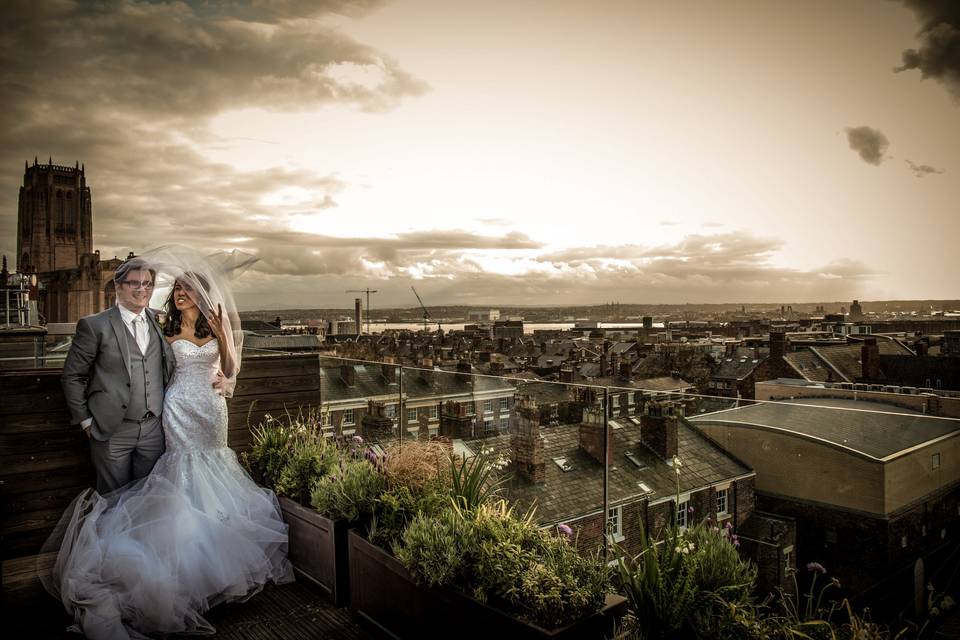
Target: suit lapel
[(116, 321)]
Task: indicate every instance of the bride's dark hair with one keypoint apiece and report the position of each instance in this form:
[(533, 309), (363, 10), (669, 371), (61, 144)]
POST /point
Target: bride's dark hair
[(201, 328)]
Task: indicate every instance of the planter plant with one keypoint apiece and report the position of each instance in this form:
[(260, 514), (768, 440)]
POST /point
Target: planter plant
[(291, 456), (462, 562)]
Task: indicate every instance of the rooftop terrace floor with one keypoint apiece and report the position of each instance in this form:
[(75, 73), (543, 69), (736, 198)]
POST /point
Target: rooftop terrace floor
[(296, 611)]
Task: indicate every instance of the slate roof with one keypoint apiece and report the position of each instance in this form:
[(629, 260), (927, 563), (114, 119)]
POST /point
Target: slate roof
[(417, 384), (872, 429), (737, 366), (568, 495), (816, 363), (663, 383)]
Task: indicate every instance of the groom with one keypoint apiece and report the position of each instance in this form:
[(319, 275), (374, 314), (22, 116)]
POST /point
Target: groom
[(114, 377)]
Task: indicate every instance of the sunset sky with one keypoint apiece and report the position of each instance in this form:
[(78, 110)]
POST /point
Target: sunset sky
[(506, 153)]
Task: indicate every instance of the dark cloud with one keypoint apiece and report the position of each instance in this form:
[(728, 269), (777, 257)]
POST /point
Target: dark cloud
[(938, 55), (870, 143), (129, 88), (922, 170)]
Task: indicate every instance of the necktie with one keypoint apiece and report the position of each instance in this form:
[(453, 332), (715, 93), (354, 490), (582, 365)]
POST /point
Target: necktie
[(140, 333)]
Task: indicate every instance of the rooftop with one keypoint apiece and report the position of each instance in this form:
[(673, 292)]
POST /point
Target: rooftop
[(875, 430), (569, 495)]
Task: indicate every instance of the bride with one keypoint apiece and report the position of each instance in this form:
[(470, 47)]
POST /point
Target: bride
[(152, 557)]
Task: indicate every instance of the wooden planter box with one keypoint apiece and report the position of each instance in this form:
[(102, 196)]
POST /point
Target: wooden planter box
[(318, 550), (385, 596)]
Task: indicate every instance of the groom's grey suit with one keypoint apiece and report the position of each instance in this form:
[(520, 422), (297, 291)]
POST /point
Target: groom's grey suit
[(106, 377)]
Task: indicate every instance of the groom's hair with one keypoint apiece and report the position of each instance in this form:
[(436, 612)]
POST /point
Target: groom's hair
[(131, 264)]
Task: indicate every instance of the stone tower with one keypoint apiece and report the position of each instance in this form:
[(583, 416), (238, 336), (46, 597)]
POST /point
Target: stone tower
[(55, 243), (54, 218)]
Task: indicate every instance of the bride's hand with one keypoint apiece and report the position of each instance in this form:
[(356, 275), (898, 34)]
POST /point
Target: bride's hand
[(216, 323)]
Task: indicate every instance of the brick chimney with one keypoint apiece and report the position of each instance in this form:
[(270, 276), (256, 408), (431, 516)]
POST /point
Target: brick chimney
[(778, 347), (348, 374), (497, 368), (658, 427), (526, 442), (454, 421), (624, 369), (920, 347), (591, 435), (375, 425), (870, 360), (566, 373), (356, 315)]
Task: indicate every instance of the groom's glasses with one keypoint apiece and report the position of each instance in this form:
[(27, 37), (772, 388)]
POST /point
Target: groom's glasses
[(139, 284)]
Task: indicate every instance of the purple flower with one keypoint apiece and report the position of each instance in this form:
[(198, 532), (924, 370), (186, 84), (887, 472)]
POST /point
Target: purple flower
[(729, 525), (565, 530), (357, 439), (689, 509), (816, 566)]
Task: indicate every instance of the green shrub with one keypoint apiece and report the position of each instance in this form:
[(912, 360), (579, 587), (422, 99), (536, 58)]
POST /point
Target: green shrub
[(493, 555), (272, 439), (397, 506), (349, 491), (309, 458)]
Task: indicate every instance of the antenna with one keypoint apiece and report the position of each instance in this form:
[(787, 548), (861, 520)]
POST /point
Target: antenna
[(367, 291)]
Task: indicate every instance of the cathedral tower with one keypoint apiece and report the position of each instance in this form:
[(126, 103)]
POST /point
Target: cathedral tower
[(54, 218)]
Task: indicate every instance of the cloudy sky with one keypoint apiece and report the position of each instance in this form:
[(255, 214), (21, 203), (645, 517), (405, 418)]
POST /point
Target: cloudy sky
[(506, 153)]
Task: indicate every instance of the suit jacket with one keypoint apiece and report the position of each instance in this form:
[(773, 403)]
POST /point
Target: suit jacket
[(96, 373)]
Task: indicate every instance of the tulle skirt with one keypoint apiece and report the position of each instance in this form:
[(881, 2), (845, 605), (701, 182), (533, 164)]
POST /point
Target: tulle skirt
[(153, 556)]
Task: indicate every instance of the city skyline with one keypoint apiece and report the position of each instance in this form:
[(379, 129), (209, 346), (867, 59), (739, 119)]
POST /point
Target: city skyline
[(576, 155)]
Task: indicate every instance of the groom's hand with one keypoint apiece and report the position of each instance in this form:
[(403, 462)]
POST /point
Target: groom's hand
[(86, 430)]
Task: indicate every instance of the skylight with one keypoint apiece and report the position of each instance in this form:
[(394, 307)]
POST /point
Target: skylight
[(563, 464)]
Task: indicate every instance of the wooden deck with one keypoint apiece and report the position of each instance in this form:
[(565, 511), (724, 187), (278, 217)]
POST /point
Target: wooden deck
[(295, 611)]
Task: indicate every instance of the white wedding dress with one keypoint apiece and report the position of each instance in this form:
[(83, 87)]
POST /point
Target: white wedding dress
[(152, 557)]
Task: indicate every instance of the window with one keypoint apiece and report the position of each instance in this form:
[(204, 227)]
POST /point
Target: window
[(682, 513), (721, 501), (433, 412), (348, 416), (615, 523), (471, 408), (487, 406), (563, 464), (935, 461), (390, 410), (616, 401), (411, 415), (488, 425), (504, 404)]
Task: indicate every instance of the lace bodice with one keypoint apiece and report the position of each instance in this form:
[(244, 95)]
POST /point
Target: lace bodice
[(194, 414), (194, 360)]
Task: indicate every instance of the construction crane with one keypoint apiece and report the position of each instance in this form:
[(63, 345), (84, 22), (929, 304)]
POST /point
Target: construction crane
[(426, 314), (367, 291)]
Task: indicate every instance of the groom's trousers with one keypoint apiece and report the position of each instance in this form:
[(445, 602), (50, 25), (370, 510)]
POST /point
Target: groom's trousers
[(129, 454)]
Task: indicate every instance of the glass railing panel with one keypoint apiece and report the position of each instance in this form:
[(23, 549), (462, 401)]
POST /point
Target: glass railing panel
[(363, 399)]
